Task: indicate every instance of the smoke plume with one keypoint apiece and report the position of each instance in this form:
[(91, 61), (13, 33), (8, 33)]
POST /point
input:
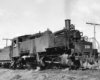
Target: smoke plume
[(69, 7)]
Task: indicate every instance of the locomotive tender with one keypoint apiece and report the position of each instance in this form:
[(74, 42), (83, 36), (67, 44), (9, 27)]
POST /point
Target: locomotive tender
[(45, 49)]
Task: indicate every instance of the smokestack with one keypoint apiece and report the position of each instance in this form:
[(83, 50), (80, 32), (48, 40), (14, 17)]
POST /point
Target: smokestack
[(67, 24)]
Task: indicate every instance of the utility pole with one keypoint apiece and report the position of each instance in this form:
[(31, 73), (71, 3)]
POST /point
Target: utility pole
[(94, 41), (7, 41)]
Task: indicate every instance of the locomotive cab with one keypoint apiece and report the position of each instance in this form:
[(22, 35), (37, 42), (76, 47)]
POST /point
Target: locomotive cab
[(16, 45)]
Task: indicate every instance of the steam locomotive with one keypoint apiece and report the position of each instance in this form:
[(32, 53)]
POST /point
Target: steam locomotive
[(46, 49)]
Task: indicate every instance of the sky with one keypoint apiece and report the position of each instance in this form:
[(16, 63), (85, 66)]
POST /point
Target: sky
[(21, 17)]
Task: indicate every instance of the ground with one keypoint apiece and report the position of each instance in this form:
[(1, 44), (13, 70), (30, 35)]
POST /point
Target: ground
[(7, 74)]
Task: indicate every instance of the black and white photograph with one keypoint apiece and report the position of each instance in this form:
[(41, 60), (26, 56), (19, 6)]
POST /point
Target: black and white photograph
[(49, 40)]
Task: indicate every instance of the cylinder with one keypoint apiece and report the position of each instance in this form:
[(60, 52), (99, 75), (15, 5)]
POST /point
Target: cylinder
[(67, 24)]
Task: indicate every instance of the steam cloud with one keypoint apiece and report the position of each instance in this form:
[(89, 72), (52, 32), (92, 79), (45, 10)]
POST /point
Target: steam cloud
[(69, 7)]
